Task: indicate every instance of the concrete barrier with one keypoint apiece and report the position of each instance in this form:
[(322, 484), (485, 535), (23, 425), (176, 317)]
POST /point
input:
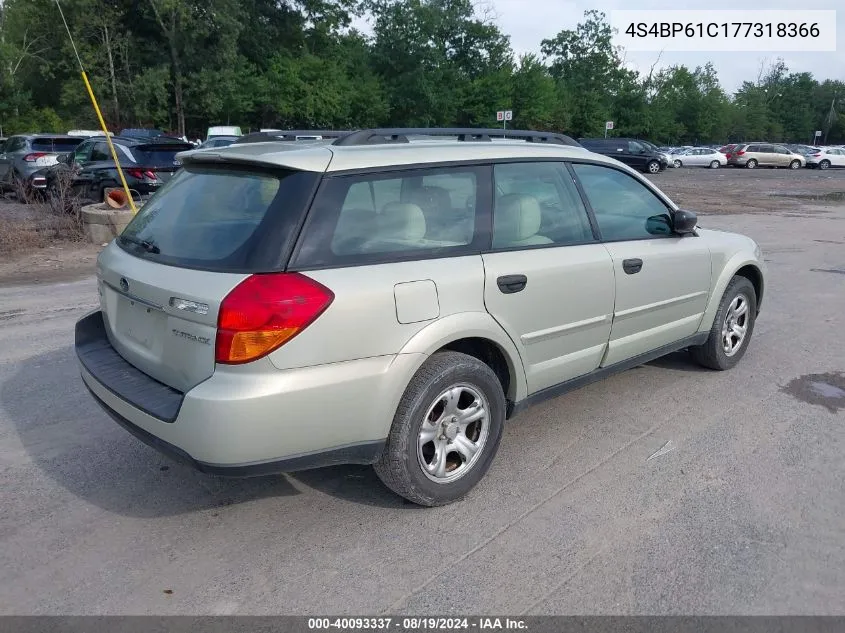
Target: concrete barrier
[(102, 223)]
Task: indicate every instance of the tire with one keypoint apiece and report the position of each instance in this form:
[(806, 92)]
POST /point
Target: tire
[(824, 164), (713, 354), (401, 464), (796, 164), (653, 167), (751, 164), (678, 164), (714, 164)]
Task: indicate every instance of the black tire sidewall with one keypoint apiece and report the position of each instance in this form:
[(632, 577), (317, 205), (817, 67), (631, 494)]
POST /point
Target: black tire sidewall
[(406, 428), (735, 287)]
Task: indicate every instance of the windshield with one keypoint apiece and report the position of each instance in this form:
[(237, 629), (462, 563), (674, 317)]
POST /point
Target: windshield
[(224, 219)]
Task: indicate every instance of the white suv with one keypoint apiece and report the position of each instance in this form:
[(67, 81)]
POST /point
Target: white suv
[(392, 296)]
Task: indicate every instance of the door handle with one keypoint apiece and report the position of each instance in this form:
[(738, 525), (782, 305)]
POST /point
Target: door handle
[(632, 266), (509, 284)]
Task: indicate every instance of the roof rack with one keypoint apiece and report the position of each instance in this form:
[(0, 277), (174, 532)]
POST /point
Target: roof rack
[(381, 136), (290, 135)]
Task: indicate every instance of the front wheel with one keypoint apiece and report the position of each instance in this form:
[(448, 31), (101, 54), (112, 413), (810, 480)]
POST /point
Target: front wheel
[(751, 164), (795, 164), (653, 167), (824, 164), (714, 164), (446, 430), (678, 164), (732, 327)]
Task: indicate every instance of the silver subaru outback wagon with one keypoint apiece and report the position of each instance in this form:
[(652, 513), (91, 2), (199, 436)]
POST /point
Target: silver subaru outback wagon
[(390, 297)]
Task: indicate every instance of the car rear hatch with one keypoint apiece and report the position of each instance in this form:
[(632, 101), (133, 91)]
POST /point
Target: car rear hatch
[(45, 149), (162, 281), (156, 162)]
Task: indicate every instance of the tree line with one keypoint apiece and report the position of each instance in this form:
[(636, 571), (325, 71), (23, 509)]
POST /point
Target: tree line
[(182, 65)]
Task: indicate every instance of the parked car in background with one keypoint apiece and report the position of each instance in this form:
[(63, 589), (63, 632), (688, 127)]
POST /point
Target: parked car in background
[(223, 130), (699, 157), (752, 155), (219, 141), (727, 150), (657, 150), (271, 311), (141, 132), (629, 151), (147, 164), (826, 158), (87, 133), (25, 154)]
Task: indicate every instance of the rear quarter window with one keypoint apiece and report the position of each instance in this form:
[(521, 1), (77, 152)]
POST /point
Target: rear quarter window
[(222, 219)]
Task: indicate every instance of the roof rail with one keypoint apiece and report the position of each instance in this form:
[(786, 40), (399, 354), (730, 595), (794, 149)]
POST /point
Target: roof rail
[(381, 136), (290, 135)]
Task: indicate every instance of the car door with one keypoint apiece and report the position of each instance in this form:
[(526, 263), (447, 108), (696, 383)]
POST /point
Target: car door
[(637, 155), (694, 158), (837, 157), (782, 156), (99, 166), (12, 145), (768, 156), (79, 162), (548, 281), (662, 279)]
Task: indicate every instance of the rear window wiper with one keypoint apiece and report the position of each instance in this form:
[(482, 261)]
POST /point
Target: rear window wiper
[(147, 245)]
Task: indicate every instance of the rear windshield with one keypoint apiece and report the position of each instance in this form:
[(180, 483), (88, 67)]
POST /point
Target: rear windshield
[(158, 155), (222, 219), (60, 145)]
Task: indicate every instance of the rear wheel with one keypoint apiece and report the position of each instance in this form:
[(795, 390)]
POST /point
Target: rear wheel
[(732, 327), (751, 164), (446, 430), (824, 164), (653, 167), (714, 164), (795, 164)]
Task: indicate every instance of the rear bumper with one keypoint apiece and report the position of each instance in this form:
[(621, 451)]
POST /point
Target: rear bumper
[(251, 419)]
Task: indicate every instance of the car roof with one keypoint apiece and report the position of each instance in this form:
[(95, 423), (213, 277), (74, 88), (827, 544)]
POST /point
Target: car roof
[(134, 140), (326, 156)]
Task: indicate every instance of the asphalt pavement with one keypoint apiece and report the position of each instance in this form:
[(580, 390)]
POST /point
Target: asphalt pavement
[(743, 513)]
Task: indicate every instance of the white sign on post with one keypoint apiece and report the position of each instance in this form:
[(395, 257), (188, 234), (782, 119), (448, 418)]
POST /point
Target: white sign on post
[(818, 132), (508, 115), (608, 125), (500, 115)]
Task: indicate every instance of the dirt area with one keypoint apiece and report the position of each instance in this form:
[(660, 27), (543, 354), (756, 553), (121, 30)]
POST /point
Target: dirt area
[(733, 190), (30, 251), (705, 191)]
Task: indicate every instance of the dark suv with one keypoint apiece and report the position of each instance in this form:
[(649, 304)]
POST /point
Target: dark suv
[(632, 152), (147, 164)]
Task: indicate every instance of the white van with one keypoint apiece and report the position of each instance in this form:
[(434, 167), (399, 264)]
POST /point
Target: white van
[(223, 130)]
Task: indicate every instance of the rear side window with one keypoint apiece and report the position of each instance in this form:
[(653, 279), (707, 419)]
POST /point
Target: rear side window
[(60, 145), (395, 216), (537, 204), (222, 219)]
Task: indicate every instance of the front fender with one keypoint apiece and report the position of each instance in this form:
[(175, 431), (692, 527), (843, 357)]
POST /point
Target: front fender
[(729, 270), (471, 325)]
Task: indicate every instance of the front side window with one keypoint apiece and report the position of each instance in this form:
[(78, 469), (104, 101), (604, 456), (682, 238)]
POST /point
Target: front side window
[(81, 153), (625, 208), (636, 148), (397, 215), (537, 204), (100, 151)]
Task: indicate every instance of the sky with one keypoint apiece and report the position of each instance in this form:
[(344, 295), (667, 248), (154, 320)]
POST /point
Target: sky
[(528, 22)]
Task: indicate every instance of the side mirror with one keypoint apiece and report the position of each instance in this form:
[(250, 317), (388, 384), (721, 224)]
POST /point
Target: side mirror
[(63, 158), (684, 222), (659, 225)]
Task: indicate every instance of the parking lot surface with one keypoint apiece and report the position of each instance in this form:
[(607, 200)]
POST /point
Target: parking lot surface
[(743, 513)]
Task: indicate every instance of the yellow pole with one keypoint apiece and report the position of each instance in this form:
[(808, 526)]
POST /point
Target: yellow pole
[(111, 145), (99, 114)]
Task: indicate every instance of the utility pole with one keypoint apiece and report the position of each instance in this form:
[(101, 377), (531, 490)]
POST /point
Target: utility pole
[(830, 117)]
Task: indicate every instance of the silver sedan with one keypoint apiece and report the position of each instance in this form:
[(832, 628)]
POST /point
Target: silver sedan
[(699, 157)]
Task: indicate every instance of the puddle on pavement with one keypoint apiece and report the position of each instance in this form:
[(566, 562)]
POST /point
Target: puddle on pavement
[(830, 196), (827, 390), (840, 271)]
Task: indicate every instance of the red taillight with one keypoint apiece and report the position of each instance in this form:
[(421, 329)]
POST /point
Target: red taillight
[(265, 311), (140, 174), (740, 152), (816, 155), (727, 155), (34, 156)]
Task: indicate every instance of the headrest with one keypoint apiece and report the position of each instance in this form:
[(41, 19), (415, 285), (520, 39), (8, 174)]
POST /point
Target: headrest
[(432, 198), (517, 218), (401, 221)]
